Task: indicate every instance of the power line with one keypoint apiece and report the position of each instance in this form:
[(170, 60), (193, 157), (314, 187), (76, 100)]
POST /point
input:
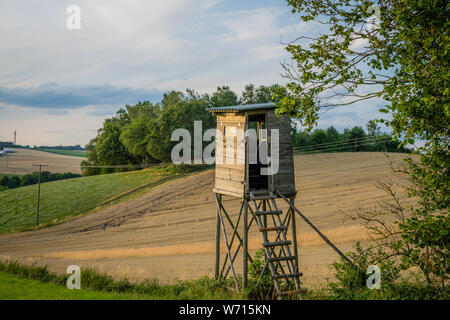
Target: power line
[(364, 143), (329, 144), (357, 144), (340, 142), (334, 142)]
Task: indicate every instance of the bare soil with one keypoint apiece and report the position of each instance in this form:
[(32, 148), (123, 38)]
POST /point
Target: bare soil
[(21, 162), (168, 233)]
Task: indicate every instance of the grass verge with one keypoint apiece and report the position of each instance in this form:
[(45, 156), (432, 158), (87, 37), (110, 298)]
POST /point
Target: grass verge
[(34, 282)]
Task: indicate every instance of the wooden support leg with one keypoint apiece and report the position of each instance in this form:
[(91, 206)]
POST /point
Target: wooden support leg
[(245, 256), (222, 222), (234, 235), (218, 239), (294, 232), (339, 252)]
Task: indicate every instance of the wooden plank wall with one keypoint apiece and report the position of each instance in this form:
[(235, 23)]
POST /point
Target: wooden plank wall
[(230, 177), (284, 180)]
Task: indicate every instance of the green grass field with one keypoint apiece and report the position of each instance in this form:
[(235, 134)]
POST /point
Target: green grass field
[(67, 198), (15, 288), (74, 153)]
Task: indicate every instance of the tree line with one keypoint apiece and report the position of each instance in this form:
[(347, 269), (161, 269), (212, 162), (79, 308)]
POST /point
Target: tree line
[(74, 147), (12, 182), (9, 144), (141, 134)]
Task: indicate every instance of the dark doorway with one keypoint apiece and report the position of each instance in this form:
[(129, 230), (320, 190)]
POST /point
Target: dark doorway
[(258, 182)]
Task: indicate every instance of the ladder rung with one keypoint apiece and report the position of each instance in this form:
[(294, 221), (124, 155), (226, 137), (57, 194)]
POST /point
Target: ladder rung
[(280, 259), (273, 244), (288, 275), (265, 213), (273, 228)]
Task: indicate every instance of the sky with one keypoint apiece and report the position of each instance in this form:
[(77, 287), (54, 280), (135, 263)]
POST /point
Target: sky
[(57, 85)]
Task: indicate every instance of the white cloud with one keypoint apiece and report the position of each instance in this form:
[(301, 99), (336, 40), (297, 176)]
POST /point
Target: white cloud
[(142, 45), (136, 43)]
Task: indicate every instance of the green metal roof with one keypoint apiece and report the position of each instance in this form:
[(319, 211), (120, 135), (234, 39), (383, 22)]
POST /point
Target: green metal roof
[(243, 107)]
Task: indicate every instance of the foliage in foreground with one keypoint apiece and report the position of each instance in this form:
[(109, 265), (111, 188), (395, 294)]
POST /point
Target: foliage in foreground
[(408, 238), (405, 61), (349, 285)]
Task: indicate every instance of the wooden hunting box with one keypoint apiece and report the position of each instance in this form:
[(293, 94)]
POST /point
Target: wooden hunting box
[(243, 175)]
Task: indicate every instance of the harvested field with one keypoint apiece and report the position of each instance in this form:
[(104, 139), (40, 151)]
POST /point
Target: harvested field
[(21, 162), (168, 233)]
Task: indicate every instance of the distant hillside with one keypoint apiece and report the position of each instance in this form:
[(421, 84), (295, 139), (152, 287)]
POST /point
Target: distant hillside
[(67, 198), (73, 153), (21, 162), (9, 144)]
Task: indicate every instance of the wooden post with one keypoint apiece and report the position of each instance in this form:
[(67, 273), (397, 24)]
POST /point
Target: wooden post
[(222, 222), (245, 257), (218, 238), (339, 252), (39, 190), (264, 217), (294, 233)]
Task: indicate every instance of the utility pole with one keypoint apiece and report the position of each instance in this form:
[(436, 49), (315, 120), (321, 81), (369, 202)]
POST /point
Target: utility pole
[(39, 190)]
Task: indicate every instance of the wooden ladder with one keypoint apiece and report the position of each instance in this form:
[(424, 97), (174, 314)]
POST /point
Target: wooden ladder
[(282, 264)]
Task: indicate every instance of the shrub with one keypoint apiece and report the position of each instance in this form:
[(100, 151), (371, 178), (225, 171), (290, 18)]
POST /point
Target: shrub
[(28, 179), (14, 182), (94, 280), (260, 285), (350, 283), (4, 181)]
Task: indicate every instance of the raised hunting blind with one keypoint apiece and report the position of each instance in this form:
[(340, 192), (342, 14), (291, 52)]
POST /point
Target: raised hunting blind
[(254, 163), (238, 178)]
